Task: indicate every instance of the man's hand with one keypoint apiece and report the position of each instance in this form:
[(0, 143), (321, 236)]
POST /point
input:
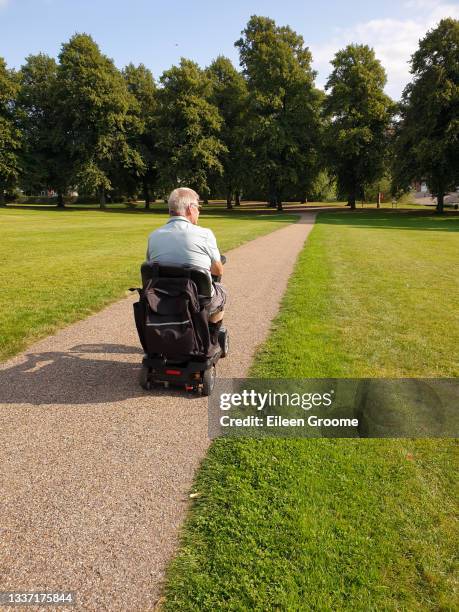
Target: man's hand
[(216, 268)]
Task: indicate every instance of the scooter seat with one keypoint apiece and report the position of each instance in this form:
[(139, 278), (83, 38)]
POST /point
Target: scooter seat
[(201, 277)]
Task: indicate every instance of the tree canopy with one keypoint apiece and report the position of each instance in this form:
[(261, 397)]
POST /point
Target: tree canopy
[(284, 106), (10, 135), (93, 105), (230, 96), (42, 159), (427, 143), (189, 127), (142, 130), (358, 114)]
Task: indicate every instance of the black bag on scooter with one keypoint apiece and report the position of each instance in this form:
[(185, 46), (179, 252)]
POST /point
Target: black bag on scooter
[(170, 306)]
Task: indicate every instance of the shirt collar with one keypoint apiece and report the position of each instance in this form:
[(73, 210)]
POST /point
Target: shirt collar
[(178, 218)]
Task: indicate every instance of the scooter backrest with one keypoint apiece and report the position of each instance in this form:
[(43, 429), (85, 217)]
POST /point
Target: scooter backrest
[(151, 269)]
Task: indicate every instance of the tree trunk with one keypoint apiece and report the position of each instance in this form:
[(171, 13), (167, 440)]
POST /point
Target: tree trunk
[(351, 201), (2, 197), (60, 200), (102, 199), (237, 198), (146, 195), (378, 201), (440, 202), (229, 201), (272, 200), (278, 200)]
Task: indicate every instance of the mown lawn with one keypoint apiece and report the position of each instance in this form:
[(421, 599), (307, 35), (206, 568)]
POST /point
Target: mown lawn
[(373, 294), (324, 524), (60, 266)]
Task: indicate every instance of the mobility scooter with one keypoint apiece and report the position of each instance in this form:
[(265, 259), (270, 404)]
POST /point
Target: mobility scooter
[(172, 318)]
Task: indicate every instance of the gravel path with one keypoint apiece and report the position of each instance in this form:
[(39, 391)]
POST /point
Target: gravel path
[(94, 471)]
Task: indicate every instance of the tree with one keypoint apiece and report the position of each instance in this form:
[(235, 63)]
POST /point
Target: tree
[(43, 162), (230, 96), (10, 136), (323, 188), (189, 128), (380, 190), (142, 133), (427, 140), (358, 114), (93, 105), (284, 122)]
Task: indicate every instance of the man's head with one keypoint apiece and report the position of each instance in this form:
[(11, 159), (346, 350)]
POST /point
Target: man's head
[(184, 202)]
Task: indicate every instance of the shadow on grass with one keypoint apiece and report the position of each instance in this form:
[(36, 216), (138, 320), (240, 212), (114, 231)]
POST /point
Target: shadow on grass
[(268, 214), (74, 377), (392, 219), (116, 208)]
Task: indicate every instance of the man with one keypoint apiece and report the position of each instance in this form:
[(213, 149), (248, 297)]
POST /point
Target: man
[(182, 242)]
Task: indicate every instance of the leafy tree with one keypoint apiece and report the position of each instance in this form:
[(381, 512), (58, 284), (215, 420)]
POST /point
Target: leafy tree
[(189, 127), (380, 190), (142, 134), (358, 113), (93, 111), (323, 188), (284, 122), (10, 136), (427, 142), (43, 163), (230, 96)]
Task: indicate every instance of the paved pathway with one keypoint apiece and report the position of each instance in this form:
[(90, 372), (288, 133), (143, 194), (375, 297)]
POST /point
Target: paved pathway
[(94, 471)]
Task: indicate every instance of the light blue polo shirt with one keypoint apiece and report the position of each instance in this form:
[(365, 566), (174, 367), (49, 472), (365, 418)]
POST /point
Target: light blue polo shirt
[(180, 243)]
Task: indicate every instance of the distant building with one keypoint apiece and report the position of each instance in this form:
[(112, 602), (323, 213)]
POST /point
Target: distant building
[(420, 187)]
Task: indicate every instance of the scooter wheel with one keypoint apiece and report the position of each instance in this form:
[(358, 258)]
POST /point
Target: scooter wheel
[(223, 340), (144, 379), (208, 381)]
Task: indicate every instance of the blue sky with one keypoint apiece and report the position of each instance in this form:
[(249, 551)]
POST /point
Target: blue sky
[(159, 32)]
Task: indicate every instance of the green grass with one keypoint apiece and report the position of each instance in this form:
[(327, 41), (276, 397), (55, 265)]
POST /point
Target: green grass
[(60, 266), (319, 525), (373, 294), (323, 524)]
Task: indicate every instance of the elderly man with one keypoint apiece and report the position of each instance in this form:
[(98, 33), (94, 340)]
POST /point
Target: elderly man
[(182, 242)]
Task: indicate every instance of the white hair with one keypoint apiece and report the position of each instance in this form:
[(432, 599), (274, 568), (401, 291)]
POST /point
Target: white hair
[(180, 198)]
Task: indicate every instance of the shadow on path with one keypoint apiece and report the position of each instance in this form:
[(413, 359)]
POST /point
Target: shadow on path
[(392, 219), (74, 377)]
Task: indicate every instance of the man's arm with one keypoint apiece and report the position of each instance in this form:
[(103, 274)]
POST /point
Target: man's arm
[(216, 268)]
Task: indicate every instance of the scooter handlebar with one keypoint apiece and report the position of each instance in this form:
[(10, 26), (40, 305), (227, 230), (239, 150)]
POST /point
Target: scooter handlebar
[(217, 277)]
